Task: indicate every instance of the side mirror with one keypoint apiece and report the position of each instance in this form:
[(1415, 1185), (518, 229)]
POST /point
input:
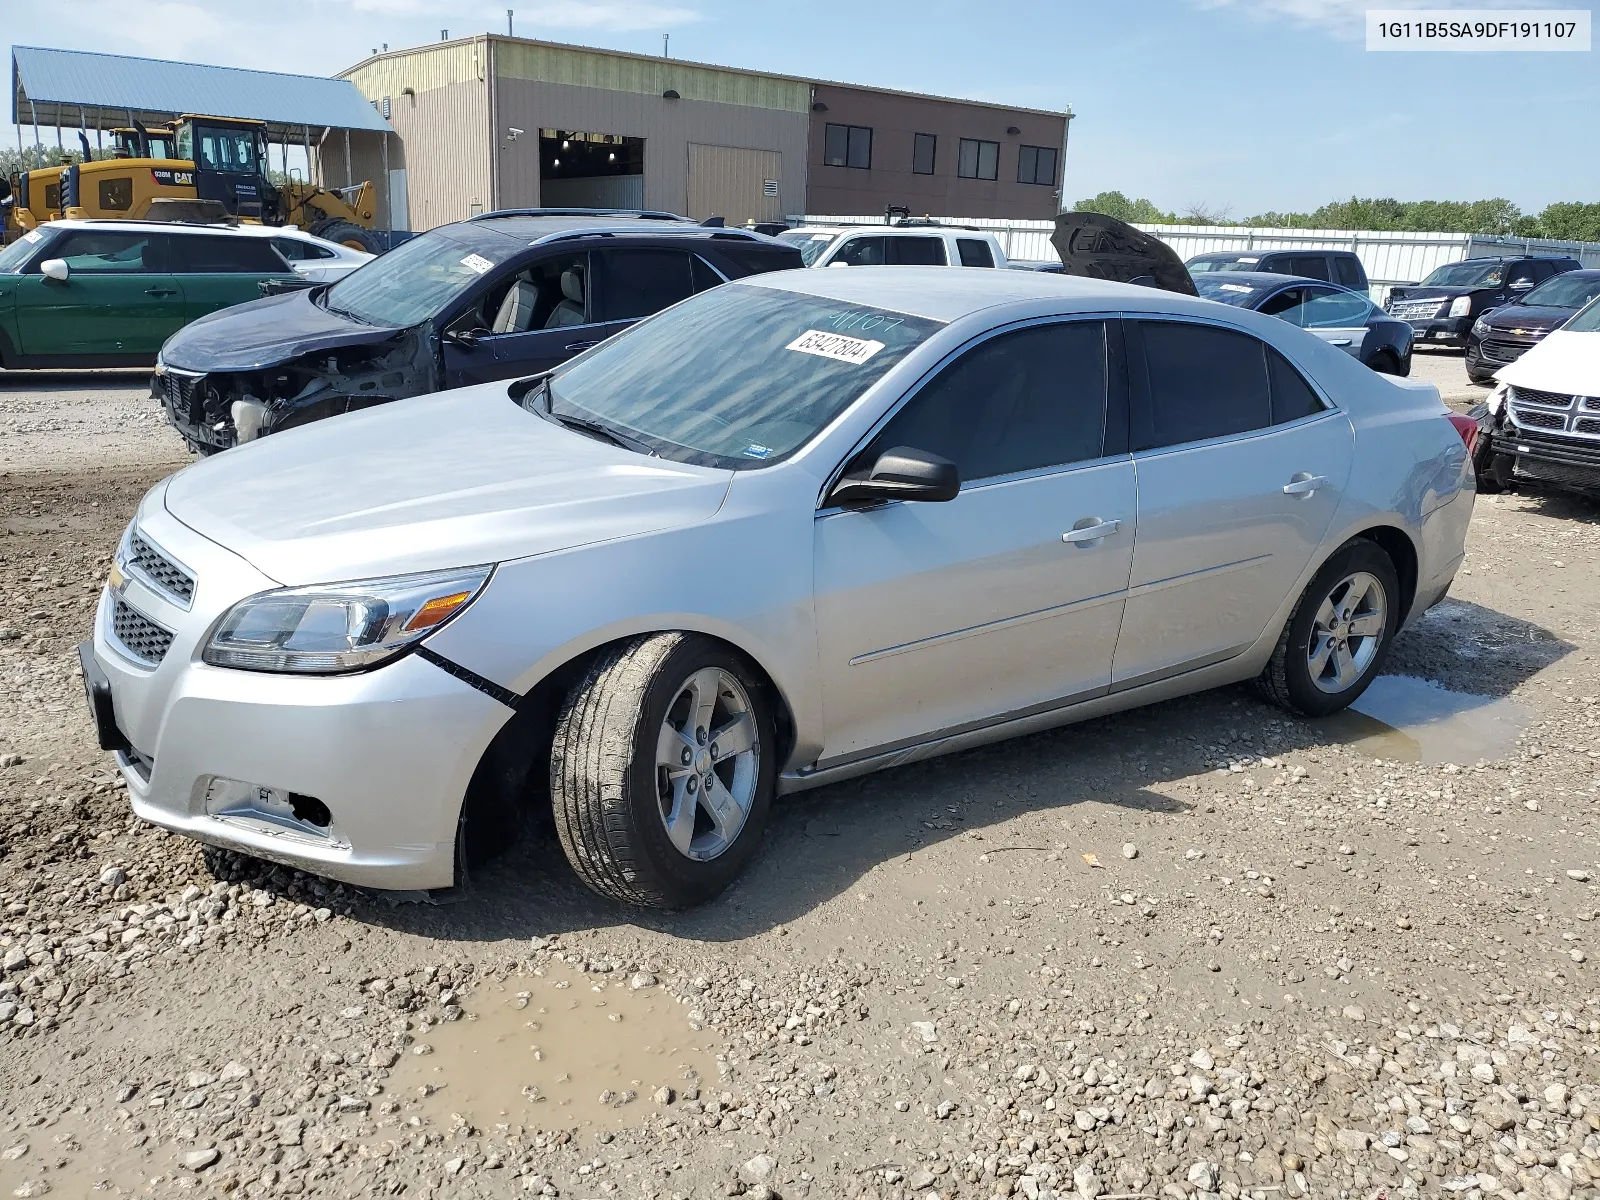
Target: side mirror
[(837, 263), (55, 268), (901, 473), (467, 339)]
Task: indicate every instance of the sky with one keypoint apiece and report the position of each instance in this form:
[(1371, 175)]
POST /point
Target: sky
[(1241, 105)]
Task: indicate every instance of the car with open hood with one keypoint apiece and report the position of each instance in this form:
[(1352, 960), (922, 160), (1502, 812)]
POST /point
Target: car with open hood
[(1443, 307), (1503, 335), (500, 295), (1336, 315), (1542, 421), (799, 527)]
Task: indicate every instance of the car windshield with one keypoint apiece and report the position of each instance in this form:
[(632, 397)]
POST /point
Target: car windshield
[(1467, 274), (1565, 291), (20, 251), (1217, 286), (1245, 262), (810, 245), (735, 377), (1587, 321), (417, 278)]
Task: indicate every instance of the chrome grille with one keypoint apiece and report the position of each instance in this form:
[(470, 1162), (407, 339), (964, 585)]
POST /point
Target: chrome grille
[(160, 570), (1537, 418), (1535, 396), (139, 635), (1591, 403), (1589, 425), (1504, 352), (1413, 310)]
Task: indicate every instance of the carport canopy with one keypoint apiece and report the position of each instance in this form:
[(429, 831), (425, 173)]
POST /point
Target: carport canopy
[(76, 89)]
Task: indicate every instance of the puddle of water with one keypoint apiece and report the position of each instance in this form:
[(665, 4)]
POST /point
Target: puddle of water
[(1408, 719), (75, 1157), (554, 1052)]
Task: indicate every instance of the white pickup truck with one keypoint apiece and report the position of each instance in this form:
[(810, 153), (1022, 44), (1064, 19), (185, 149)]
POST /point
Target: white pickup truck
[(902, 245)]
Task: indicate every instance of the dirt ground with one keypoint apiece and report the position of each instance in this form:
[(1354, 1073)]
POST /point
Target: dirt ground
[(1200, 949)]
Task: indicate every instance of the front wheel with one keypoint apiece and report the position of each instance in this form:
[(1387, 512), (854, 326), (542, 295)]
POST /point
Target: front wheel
[(662, 770), (1334, 643)]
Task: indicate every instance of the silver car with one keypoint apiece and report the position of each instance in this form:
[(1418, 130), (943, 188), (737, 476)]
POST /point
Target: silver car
[(794, 529)]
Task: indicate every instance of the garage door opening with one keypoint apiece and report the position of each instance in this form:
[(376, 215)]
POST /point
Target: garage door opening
[(590, 170)]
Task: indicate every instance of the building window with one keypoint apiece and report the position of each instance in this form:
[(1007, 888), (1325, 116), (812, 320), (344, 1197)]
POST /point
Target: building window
[(978, 160), (848, 146), (1037, 164), (923, 149)]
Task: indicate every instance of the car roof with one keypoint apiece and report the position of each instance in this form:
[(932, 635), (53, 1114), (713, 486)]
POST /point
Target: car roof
[(1500, 258), (1265, 278), (135, 226), (533, 228), (944, 295)]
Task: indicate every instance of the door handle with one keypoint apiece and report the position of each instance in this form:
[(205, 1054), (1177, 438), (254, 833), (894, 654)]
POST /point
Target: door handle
[(158, 291), (1304, 484), (574, 347), (1081, 534), (1340, 342)]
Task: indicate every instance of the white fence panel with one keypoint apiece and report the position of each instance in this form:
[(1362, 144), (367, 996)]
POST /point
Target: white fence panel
[(1390, 257)]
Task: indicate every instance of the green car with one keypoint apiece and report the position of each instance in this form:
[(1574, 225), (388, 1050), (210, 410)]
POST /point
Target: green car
[(109, 293)]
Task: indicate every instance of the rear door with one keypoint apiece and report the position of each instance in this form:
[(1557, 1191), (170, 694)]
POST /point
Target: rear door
[(1337, 317), (219, 270), (1241, 467), (120, 299)]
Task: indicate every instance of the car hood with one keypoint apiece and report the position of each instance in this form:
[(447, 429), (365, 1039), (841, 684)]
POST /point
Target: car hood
[(264, 333), (1537, 319), (1415, 292), (1101, 247), (1564, 362), (448, 480)]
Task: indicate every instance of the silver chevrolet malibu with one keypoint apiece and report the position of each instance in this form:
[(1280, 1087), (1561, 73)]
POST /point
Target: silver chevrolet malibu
[(791, 530)]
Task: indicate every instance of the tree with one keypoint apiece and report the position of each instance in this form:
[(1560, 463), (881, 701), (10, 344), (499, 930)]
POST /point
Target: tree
[(1570, 220), (1115, 204)]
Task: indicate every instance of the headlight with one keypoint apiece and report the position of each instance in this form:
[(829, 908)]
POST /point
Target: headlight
[(1480, 327), (1460, 306), (330, 628)]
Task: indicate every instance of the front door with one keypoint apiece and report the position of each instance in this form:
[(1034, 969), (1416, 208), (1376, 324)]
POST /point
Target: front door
[(120, 299), (932, 617), (1241, 468)]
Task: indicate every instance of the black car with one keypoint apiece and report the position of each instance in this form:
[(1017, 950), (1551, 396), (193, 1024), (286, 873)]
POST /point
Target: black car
[(1339, 317), (1330, 266), (1443, 307), (498, 296), (1504, 334)]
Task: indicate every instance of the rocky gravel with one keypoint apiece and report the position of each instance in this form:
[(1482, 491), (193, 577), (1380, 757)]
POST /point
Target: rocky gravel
[(1197, 950)]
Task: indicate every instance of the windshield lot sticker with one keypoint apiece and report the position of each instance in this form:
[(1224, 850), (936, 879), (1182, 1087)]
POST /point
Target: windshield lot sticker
[(757, 450), (1237, 287), (476, 262), (835, 346)]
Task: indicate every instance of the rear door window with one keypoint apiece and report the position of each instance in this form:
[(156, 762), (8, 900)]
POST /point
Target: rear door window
[(203, 254), (864, 252), (974, 252), (1199, 382), (1312, 266), (917, 252), (637, 282), (1348, 271), (1328, 309)]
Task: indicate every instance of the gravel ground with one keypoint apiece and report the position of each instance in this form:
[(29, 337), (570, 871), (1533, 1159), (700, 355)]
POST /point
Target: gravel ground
[(1195, 950)]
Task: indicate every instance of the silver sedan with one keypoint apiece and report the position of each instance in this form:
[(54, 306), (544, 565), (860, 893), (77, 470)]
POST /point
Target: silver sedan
[(794, 529)]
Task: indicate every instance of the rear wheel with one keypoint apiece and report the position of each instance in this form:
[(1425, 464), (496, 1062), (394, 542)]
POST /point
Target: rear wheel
[(1385, 363), (662, 770), (346, 233), (1335, 642)]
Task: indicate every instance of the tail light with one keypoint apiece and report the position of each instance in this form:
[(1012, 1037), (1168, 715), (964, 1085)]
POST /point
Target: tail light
[(1467, 427)]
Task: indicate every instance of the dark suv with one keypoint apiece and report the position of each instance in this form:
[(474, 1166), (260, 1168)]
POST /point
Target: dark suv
[(502, 295), (1505, 334), (1331, 266), (1442, 308)]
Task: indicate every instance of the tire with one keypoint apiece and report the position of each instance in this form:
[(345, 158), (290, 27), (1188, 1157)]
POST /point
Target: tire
[(1289, 680), (346, 233), (612, 795), (1385, 363)]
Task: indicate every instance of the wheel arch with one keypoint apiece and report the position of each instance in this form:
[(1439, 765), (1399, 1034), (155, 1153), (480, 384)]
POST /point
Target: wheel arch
[(1402, 552), (508, 793)]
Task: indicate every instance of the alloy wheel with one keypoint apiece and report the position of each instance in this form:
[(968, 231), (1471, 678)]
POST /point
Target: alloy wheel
[(708, 763), (1347, 632)]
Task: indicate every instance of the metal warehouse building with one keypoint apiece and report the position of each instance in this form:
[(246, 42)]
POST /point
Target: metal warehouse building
[(500, 122)]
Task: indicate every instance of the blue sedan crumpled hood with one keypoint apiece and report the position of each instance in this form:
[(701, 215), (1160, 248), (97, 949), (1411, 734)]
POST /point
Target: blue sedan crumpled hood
[(264, 333)]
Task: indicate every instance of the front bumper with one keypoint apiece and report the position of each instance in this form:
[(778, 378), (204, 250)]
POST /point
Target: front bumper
[(1449, 331), (210, 752), (1562, 462)]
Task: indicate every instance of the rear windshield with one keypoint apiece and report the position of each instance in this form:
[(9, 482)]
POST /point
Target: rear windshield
[(810, 245), (734, 377), (1467, 274), (419, 278), (1565, 291)]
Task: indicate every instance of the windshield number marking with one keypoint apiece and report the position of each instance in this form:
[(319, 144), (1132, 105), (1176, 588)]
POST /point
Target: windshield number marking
[(477, 263), (862, 321), (835, 346)]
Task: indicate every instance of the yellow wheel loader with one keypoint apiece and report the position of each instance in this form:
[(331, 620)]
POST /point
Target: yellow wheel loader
[(217, 171)]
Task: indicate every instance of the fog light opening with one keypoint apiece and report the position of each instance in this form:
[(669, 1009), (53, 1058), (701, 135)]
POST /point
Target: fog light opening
[(310, 810)]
